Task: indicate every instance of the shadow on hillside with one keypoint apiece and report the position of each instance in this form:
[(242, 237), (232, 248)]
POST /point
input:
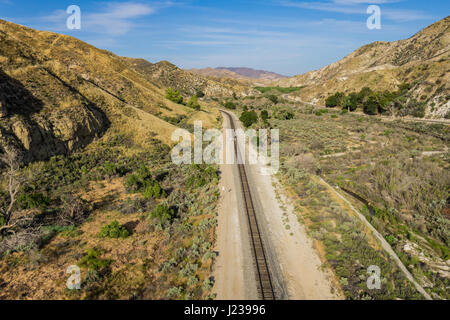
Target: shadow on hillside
[(16, 98), (41, 141)]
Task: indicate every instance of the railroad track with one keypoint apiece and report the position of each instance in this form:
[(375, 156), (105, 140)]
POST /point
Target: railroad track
[(263, 276)]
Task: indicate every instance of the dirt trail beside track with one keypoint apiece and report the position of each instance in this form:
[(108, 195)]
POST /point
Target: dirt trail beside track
[(294, 262)]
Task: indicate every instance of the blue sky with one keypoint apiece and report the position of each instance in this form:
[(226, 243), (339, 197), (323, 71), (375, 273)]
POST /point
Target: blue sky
[(285, 36)]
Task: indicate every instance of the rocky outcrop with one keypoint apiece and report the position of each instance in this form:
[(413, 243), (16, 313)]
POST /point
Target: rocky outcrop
[(42, 136)]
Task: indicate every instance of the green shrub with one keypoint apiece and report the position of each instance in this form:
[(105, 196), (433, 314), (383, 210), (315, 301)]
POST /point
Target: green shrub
[(230, 105), (200, 175), (92, 260), (175, 292), (65, 231), (335, 100), (193, 103), (283, 114), (273, 98), (49, 232), (154, 191), (163, 213), (143, 182), (144, 173), (133, 183), (174, 95), (248, 118), (111, 169), (391, 239), (264, 115), (113, 230), (34, 200), (320, 112)]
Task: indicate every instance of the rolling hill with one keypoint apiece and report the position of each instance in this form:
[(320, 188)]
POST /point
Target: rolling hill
[(246, 75), (421, 61), (58, 93)]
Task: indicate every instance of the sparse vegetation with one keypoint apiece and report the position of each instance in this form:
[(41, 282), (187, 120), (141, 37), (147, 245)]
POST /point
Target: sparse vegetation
[(383, 163), (279, 89), (87, 177), (65, 220)]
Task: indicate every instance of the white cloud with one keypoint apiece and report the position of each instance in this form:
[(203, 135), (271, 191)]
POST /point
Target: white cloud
[(116, 18), (113, 18), (353, 2), (359, 7)]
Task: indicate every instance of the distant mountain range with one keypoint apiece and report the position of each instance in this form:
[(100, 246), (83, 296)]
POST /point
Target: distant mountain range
[(241, 73)]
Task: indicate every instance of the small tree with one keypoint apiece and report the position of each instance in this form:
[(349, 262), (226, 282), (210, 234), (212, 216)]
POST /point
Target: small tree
[(264, 115), (273, 98), (248, 118), (371, 105), (230, 105), (335, 100), (362, 96), (174, 95), (350, 102), (193, 103)]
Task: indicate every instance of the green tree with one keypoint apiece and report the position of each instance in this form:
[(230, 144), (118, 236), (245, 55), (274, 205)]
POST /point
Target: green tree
[(174, 95), (335, 100), (248, 118), (229, 105), (193, 103), (371, 105), (362, 96), (350, 102), (264, 115)]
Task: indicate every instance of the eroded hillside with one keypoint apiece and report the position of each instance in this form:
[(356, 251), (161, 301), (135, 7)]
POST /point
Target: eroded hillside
[(59, 93), (98, 189), (422, 61)]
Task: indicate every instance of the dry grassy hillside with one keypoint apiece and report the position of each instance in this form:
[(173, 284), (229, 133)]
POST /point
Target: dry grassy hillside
[(168, 75), (106, 197), (422, 61), (251, 77), (59, 93)]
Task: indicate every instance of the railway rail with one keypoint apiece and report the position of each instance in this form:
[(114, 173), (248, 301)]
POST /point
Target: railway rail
[(264, 279)]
